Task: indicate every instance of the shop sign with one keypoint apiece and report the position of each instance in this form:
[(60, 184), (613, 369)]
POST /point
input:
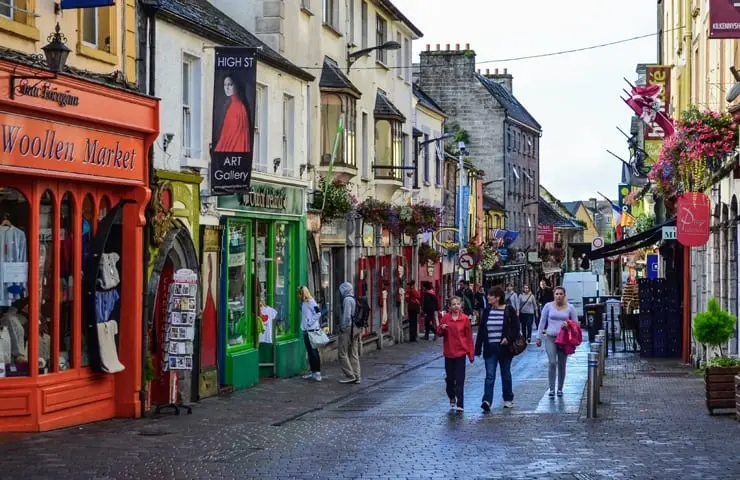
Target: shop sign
[(446, 244), (724, 19), (46, 91), (659, 75), (36, 144), (267, 198), (334, 231), (692, 219), (545, 233)]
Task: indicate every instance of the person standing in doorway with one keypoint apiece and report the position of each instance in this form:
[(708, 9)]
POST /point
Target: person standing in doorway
[(413, 302), (554, 317), (457, 335), (349, 337), (498, 330), (527, 311), (310, 322), (429, 308)]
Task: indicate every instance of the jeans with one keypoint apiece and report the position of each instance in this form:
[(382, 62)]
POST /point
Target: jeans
[(428, 324), (349, 352), (502, 358), (413, 321), (557, 359), (314, 360), (455, 370), (527, 320)]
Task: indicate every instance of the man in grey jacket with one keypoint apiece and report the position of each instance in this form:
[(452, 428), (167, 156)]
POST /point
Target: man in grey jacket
[(349, 337)]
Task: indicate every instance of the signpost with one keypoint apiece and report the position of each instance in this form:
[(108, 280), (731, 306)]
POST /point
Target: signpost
[(466, 261)]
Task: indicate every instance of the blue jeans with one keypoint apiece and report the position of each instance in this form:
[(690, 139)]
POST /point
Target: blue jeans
[(503, 359)]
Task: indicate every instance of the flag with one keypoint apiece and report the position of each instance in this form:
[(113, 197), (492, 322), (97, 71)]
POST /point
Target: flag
[(627, 220), (616, 215), (329, 176)]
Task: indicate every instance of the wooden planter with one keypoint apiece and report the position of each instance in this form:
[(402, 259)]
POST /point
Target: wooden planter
[(719, 383)]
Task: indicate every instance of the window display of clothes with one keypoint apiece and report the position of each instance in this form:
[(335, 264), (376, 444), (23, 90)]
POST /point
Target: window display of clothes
[(106, 302), (16, 324), (13, 263)]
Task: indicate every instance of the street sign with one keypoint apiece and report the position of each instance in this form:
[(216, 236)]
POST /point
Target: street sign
[(597, 266), (669, 233), (652, 266), (466, 261), (597, 243)]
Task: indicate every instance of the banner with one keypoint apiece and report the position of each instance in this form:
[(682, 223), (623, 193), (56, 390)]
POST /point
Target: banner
[(659, 76), (234, 90), (724, 19), (68, 4)]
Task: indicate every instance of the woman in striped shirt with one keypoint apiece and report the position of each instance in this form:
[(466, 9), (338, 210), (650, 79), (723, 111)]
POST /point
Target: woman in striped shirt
[(498, 329)]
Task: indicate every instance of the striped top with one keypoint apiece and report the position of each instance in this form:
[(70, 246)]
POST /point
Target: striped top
[(495, 326)]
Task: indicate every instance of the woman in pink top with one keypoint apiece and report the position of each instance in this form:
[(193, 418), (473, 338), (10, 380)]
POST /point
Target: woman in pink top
[(555, 316)]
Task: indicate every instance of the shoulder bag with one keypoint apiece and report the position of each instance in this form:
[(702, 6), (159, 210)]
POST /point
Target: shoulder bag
[(318, 338)]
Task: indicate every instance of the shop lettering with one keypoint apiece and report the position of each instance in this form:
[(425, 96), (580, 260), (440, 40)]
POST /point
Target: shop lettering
[(235, 62), (231, 175), (267, 198), (51, 147), (47, 92)]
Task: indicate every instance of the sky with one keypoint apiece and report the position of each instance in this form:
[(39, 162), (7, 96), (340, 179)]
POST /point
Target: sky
[(575, 97)]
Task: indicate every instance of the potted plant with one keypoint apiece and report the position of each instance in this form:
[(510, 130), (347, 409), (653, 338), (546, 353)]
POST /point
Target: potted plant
[(374, 212), (714, 328), (427, 254), (333, 200)]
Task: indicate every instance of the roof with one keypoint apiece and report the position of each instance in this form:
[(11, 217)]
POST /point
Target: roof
[(490, 203), (572, 206), (426, 100), (513, 108), (334, 79), (556, 204), (384, 109), (393, 11), (547, 215), (203, 18)]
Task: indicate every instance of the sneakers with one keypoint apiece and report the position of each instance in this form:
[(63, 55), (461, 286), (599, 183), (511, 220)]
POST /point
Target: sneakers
[(551, 394), (560, 393), (358, 380), (453, 404), (508, 404), (459, 409), (317, 376), (308, 376), (349, 380), (485, 406)]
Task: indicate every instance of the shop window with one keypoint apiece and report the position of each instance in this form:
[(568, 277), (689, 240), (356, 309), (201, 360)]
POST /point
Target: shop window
[(18, 17), (282, 289), (332, 107), (259, 150), (46, 280), (88, 229), (97, 34), (14, 309), (238, 328), (388, 148), (66, 273)]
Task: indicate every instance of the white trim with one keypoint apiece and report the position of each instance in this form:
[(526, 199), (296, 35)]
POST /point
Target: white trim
[(96, 14)]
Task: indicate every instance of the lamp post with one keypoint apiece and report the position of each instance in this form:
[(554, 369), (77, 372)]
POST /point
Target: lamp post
[(462, 152), (55, 53), (352, 57)]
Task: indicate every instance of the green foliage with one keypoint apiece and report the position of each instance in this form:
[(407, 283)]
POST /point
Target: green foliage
[(644, 223), (715, 326), (149, 372), (468, 54), (339, 201), (426, 253)]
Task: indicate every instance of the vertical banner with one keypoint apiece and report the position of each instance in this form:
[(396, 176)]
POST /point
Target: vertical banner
[(724, 19), (234, 91), (659, 75)]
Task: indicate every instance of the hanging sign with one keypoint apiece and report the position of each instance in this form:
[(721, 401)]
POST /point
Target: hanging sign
[(234, 91), (692, 219), (724, 19), (446, 244), (68, 4)]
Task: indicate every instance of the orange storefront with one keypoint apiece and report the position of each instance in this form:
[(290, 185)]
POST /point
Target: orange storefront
[(73, 193)]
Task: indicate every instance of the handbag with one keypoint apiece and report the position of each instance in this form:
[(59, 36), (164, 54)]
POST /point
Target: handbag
[(318, 338), (519, 345)]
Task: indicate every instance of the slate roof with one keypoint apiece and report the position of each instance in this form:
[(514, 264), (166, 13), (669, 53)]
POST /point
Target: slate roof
[(201, 17), (547, 215), (512, 106), (391, 9), (572, 206), (384, 109), (426, 100), (490, 203), (334, 79)]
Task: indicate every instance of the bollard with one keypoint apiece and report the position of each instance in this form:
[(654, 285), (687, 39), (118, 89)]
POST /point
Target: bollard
[(602, 360), (604, 354), (592, 390), (605, 340), (596, 349)]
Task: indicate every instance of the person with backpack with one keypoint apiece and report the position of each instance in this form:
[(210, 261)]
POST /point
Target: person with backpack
[(310, 322), (349, 336), (429, 308)]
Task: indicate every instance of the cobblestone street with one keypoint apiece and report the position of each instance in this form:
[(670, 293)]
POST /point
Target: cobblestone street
[(395, 425)]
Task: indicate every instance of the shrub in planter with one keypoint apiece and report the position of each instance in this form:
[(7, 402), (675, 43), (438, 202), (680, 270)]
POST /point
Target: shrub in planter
[(427, 253), (339, 201), (714, 328), (374, 212)]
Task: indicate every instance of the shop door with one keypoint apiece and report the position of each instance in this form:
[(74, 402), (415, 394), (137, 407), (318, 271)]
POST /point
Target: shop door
[(262, 268), (161, 383)]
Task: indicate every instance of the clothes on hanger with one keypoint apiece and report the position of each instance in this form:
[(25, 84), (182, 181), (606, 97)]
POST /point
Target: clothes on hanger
[(105, 303), (12, 251)]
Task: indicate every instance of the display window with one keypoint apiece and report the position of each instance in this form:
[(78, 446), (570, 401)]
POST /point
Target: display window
[(63, 217)]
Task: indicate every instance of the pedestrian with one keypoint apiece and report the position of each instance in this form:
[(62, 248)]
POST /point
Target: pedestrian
[(413, 301), (466, 295), (498, 330), (480, 303), (554, 317), (310, 322), (544, 296), (457, 335), (349, 337), (429, 308), (511, 298), (527, 311)]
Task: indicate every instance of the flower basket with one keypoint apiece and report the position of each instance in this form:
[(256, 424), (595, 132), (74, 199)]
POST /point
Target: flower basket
[(490, 258), (375, 212), (339, 201), (427, 254)]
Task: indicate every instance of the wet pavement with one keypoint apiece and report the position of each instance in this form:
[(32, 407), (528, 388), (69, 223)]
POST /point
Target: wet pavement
[(396, 424)]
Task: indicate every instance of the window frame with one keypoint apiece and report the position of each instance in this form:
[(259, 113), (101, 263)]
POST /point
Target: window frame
[(347, 156), (364, 22), (21, 21), (192, 149), (288, 137), (260, 139), (330, 14), (381, 36), (107, 28), (365, 145)]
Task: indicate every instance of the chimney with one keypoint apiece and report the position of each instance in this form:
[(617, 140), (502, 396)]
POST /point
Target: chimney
[(429, 47), (456, 61), (467, 46), (457, 47), (504, 79)]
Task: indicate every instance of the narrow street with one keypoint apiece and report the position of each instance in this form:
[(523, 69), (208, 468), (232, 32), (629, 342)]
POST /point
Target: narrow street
[(396, 425)]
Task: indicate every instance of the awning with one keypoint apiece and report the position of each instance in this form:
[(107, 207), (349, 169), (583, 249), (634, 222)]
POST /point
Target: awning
[(385, 110), (641, 240), (334, 80)]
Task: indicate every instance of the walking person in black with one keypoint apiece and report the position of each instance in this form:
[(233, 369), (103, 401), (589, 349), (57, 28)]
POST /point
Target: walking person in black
[(545, 295), (429, 308), (413, 301)]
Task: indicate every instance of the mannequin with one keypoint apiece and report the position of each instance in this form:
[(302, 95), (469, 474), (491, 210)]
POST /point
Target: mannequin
[(12, 250)]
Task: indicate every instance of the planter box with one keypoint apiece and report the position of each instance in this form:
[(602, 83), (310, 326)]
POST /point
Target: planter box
[(719, 383)]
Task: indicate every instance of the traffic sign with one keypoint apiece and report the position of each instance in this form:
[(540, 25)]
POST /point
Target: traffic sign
[(466, 261), (597, 243)]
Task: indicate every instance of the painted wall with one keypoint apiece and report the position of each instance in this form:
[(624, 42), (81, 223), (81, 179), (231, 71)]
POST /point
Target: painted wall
[(432, 124)]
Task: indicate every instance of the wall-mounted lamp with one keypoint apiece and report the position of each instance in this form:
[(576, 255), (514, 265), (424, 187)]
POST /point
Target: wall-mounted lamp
[(354, 56), (166, 140), (55, 52), (275, 164)]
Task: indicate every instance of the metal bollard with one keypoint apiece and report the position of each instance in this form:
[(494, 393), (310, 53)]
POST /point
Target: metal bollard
[(606, 341), (592, 390), (596, 348), (604, 348)]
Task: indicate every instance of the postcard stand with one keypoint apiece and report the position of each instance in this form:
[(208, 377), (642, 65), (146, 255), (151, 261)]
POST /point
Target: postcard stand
[(178, 348)]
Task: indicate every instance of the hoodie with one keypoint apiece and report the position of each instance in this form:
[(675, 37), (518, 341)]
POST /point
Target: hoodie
[(347, 291)]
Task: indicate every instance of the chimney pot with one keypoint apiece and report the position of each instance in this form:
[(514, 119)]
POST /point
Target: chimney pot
[(438, 47), (505, 71), (429, 47), (495, 71), (488, 71), (467, 46), (457, 47), (479, 71), (447, 47)]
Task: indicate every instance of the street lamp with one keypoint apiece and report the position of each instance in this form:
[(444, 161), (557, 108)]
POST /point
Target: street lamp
[(352, 57), (55, 52)]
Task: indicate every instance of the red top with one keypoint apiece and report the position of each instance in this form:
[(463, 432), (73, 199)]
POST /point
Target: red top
[(458, 336), (235, 129), (413, 296)]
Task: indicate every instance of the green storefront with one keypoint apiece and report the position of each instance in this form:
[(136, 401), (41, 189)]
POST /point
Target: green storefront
[(264, 262)]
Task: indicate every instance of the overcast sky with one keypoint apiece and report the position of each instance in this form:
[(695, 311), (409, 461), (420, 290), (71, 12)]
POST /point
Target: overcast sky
[(575, 97)]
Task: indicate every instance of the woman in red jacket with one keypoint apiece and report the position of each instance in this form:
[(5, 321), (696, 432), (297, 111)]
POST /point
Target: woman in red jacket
[(457, 333)]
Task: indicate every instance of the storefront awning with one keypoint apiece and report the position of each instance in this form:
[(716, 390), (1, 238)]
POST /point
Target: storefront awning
[(641, 240)]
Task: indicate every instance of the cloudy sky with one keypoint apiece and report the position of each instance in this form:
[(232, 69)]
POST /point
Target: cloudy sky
[(575, 97)]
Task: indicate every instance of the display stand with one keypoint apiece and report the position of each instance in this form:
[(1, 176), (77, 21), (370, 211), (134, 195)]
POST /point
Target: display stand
[(178, 348)]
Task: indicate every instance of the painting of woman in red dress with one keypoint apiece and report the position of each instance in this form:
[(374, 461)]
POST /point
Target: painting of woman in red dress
[(235, 128)]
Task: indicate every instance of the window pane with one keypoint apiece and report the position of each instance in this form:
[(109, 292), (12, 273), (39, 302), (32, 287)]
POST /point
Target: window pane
[(6, 8), (88, 226), (66, 272), (46, 280), (13, 283), (365, 147), (383, 147), (282, 299), (90, 26), (238, 331), (363, 19), (185, 83), (380, 36)]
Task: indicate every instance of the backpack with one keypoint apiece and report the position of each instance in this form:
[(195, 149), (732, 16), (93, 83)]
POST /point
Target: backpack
[(361, 317)]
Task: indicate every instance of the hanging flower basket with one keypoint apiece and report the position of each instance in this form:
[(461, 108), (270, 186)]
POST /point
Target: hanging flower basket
[(374, 212), (489, 257), (427, 253), (339, 201)]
